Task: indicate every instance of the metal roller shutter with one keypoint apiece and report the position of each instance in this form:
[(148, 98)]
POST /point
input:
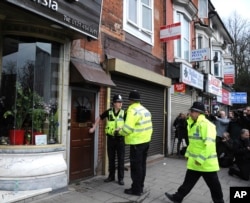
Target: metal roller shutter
[(179, 103), (152, 97)]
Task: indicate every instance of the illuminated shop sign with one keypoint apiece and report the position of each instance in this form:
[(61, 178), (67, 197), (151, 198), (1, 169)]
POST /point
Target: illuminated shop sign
[(80, 15)]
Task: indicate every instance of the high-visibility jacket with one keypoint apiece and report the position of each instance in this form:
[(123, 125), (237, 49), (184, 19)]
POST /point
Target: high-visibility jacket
[(202, 145), (138, 126), (114, 122)]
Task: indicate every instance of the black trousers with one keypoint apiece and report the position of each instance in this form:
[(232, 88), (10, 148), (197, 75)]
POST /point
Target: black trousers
[(244, 169), (138, 158), (116, 147), (191, 178)]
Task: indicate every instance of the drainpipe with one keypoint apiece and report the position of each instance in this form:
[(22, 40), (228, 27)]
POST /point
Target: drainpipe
[(167, 112)]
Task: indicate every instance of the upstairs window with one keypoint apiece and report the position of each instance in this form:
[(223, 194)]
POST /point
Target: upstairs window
[(203, 8), (138, 19), (217, 66), (182, 46)]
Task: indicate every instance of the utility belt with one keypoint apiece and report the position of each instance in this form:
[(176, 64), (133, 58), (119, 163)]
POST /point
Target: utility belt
[(115, 137)]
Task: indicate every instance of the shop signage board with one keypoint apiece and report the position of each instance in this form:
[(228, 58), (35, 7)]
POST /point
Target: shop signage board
[(200, 55), (80, 15), (214, 85), (170, 32), (229, 74), (191, 77), (239, 97)]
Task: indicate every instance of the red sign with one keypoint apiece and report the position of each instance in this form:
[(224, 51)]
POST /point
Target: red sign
[(180, 88), (225, 97), (229, 79), (170, 32)]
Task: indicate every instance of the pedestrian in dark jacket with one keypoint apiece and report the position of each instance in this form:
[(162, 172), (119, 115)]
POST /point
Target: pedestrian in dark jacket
[(225, 152), (180, 125), (242, 156)]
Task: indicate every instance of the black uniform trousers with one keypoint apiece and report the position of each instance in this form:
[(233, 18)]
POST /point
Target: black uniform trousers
[(116, 147), (191, 178), (138, 158)]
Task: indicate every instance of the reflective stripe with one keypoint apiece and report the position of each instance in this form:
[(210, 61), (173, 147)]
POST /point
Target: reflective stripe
[(199, 138), (202, 157), (195, 138), (143, 122), (144, 129)]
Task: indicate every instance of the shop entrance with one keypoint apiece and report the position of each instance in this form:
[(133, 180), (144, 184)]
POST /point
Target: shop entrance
[(81, 142)]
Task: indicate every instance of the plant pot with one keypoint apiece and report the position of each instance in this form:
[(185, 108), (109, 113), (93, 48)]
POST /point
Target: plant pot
[(16, 137)]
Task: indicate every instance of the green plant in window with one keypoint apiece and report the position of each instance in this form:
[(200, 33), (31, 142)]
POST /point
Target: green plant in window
[(38, 113), (21, 108)]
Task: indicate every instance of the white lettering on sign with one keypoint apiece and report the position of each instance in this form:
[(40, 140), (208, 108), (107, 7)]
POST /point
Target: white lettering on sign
[(53, 5), (240, 194)]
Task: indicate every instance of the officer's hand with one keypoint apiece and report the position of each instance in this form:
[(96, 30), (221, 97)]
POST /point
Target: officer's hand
[(197, 163), (91, 130), (116, 133)]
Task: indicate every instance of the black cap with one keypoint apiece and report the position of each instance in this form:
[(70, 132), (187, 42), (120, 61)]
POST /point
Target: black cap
[(198, 107), (117, 98), (134, 96)]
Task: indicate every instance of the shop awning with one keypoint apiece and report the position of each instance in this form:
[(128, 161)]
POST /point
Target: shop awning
[(92, 73)]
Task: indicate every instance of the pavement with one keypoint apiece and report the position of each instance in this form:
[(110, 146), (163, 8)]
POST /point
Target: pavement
[(164, 175)]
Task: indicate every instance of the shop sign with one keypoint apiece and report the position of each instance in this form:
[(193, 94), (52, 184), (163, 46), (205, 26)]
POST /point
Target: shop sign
[(200, 55), (180, 88), (239, 97), (80, 15), (191, 77), (229, 74), (170, 32), (214, 85), (224, 98)]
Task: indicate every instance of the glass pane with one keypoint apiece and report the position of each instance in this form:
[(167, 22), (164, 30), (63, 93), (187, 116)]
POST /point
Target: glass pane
[(186, 49), (132, 11), (216, 69), (203, 8), (147, 18), (178, 42), (30, 86), (147, 2)]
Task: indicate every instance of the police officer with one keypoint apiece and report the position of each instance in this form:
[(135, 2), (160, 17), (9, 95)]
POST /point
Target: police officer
[(202, 157), (115, 143), (137, 130)]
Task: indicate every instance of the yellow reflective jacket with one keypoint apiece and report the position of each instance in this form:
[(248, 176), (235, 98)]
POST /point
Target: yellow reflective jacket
[(138, 126), (114, 122), (202, 145)]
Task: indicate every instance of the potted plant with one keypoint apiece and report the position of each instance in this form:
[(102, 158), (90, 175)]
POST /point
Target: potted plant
[(19, 112), (38, 116)]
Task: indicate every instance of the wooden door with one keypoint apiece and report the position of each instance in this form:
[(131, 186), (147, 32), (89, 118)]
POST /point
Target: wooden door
[(81, 141)]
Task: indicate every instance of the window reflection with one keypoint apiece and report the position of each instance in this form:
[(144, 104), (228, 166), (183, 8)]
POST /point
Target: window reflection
[(29, 86)]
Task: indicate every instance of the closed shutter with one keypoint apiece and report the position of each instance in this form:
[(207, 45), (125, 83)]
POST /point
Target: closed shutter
[(179, 103), (152, 97)]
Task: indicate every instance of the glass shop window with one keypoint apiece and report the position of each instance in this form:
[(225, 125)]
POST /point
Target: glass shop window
[(29, 91)]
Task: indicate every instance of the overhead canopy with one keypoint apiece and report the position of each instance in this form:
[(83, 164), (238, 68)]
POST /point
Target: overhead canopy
[(89, 72)]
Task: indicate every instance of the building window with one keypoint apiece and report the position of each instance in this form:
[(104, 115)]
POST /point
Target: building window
[(217, 70), (182, 46), (202, 41), (29, 86), (203, 8), (138, 19)]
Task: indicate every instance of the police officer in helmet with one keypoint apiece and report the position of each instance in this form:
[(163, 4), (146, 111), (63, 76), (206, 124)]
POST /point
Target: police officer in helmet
[(137, 131), (115, 143)]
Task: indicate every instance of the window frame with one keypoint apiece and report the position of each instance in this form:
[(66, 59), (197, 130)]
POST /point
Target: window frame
[(179, 45), (136, 28)]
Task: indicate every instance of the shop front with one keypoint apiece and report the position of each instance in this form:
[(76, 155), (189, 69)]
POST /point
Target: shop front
[(47, 99)]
